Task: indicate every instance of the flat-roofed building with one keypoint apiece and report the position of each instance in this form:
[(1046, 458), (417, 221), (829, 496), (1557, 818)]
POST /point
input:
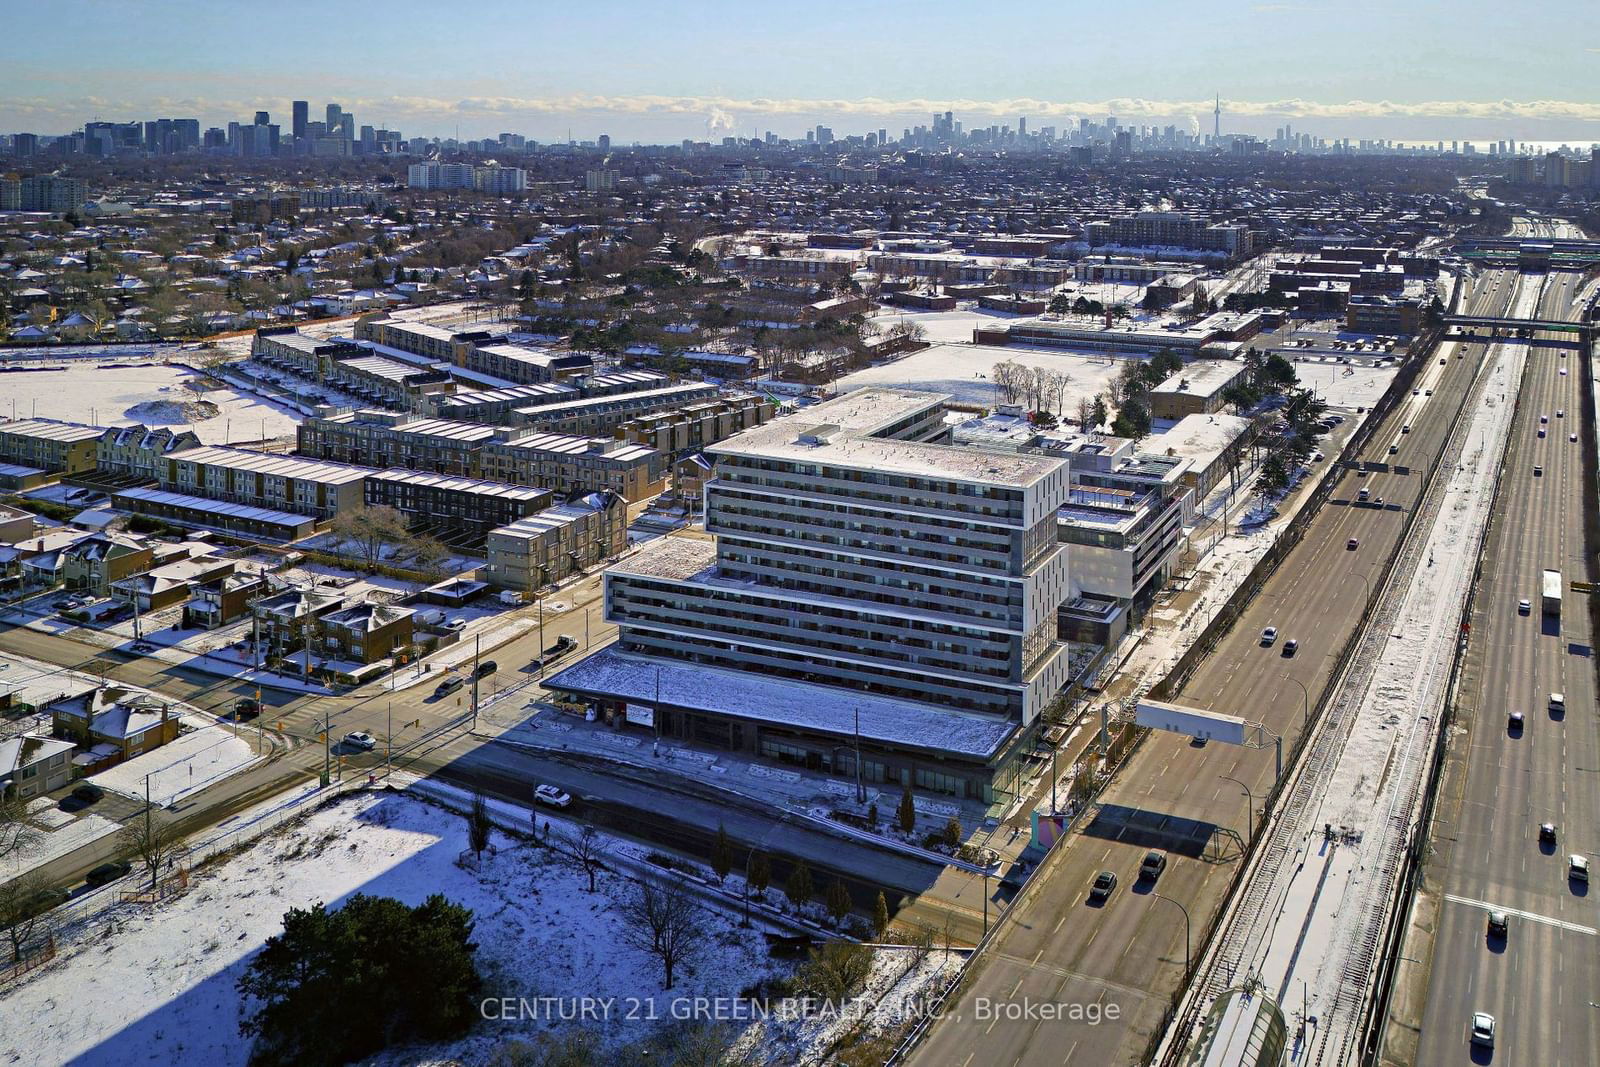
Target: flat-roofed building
[(525, 365), (50, 445), (1170, 229), (453, 507), (265, 480), (600, 416), (190, 510), (1197, 389), (495, 405), (699, 425), (557, 542), (395, 439), (569, 464), (860, 558)]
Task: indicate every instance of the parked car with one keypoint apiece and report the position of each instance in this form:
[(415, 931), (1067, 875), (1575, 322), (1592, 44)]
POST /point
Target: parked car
[(552, 795), (364, 741), (457, 623), (88, 792), (1104, 883), (446, 687), (565, 643), (143, 647), (107, 872)]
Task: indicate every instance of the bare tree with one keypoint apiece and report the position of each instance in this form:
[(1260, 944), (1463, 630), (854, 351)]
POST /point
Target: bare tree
[(664, 922), (370, 529), (17, 835), (588, 854), (1060, 382), (153, 840), (21, 911)]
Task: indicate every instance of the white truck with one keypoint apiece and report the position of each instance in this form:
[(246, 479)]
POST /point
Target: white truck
[(1551, 602)]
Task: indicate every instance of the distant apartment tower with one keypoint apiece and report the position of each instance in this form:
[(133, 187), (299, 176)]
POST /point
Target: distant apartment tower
[(302, 112), (599, 181), (47, 192)]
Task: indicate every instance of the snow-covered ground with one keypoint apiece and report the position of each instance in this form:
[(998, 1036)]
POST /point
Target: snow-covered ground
[(153, 395), (965, 371), (55, 838), (190, 763), (161, 981)]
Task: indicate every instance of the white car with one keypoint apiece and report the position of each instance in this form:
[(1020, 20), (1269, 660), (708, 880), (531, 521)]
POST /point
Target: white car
[(1524, 606), (1269, 635), (551, 795), (1483, 1029), (365, 742), (458, 624)]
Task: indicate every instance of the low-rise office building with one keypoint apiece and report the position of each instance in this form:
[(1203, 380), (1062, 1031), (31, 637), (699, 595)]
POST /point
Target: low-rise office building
[(1373, 313), (557, 542), (1197, 389)]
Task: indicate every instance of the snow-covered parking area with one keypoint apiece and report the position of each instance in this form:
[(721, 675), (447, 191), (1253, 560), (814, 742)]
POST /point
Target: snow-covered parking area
[(966, 371), (163, 979)]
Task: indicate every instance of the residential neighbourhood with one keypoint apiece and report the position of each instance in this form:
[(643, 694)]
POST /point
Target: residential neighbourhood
[(798, 572)]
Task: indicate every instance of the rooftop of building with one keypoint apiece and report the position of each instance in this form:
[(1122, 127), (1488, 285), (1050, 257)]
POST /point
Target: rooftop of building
[(311, 470), (1198, 437), (52, 430), (456, 484), (1203, 377), (840, 432)]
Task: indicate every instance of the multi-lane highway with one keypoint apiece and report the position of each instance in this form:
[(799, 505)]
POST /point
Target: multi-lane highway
[(1059, 962), (1541, 982)]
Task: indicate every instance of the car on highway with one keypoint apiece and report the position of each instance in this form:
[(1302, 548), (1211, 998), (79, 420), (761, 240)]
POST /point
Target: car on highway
[(1578, 868), (1291, 646), (1416, 392), (552, 795), (1497, 924), (1524, 607), (1514, 722), (1541, 432), (1563, 372), (1352, 544), (1544, 418), (1572, 437), (107, 872), (1538, 471), (1558, 702), (364, 741), (1155, 861), (1427, 392), (1483, 1029), (1547, 833), (1269, 635), (1560, 413), (446, 687), (246, 706), (1104, 883)]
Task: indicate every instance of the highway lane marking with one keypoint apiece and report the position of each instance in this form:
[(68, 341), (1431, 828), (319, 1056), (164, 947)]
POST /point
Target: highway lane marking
[(1560, 924)]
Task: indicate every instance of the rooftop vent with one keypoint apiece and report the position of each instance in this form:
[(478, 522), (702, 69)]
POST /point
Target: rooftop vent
[(819, 435)]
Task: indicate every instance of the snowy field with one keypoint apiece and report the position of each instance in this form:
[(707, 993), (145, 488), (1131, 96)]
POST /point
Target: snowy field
[(169, 975), (153, 395), (965, 371), (192, 762)]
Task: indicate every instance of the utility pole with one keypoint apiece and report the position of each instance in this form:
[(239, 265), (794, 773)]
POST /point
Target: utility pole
[(327, 745), (388, 745), (477, 646), (540, 602)]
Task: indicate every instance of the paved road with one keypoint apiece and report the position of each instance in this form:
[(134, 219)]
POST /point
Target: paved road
[(1542, 982), (1128, 955), (620, 799)]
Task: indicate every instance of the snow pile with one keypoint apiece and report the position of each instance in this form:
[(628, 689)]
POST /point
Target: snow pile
[(192, 762), (164, 979)]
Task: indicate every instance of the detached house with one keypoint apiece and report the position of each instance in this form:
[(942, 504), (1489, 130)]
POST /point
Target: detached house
[(219, 601), (31, 765), (99, 560), (366, 633), (112, 724)]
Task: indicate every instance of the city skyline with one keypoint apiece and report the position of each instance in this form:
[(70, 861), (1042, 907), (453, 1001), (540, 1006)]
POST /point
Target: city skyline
[(642, 78)]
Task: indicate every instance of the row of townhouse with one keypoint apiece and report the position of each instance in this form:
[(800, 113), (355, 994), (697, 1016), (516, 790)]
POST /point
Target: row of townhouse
[(557, 542), (562, 463)]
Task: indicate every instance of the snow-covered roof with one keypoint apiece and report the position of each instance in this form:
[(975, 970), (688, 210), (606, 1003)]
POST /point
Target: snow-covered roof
[(784, 702)]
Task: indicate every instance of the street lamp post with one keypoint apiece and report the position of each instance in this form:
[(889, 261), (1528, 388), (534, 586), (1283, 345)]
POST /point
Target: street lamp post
[(1305, 706), (1250, 813), (1186, 929)]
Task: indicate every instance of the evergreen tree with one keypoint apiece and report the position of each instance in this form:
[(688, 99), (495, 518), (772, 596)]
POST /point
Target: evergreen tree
[(880, 915), (907, 813), (838, 898), (722, 854), (760, 873), (799, 887)]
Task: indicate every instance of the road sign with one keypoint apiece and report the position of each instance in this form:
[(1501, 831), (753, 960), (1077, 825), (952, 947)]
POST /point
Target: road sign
[(1586, 588)]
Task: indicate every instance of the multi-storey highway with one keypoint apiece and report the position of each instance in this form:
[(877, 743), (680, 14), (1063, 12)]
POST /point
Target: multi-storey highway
[(1542, 981), (1056, 953)]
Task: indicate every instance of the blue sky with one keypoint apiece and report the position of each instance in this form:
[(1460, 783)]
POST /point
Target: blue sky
[(661, 72)]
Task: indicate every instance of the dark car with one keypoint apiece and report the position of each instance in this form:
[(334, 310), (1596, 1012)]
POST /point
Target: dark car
[(486, 668), (107, 872), (1104, 883), (88, 792), (446, 687), (245, 707), (43, 901)]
